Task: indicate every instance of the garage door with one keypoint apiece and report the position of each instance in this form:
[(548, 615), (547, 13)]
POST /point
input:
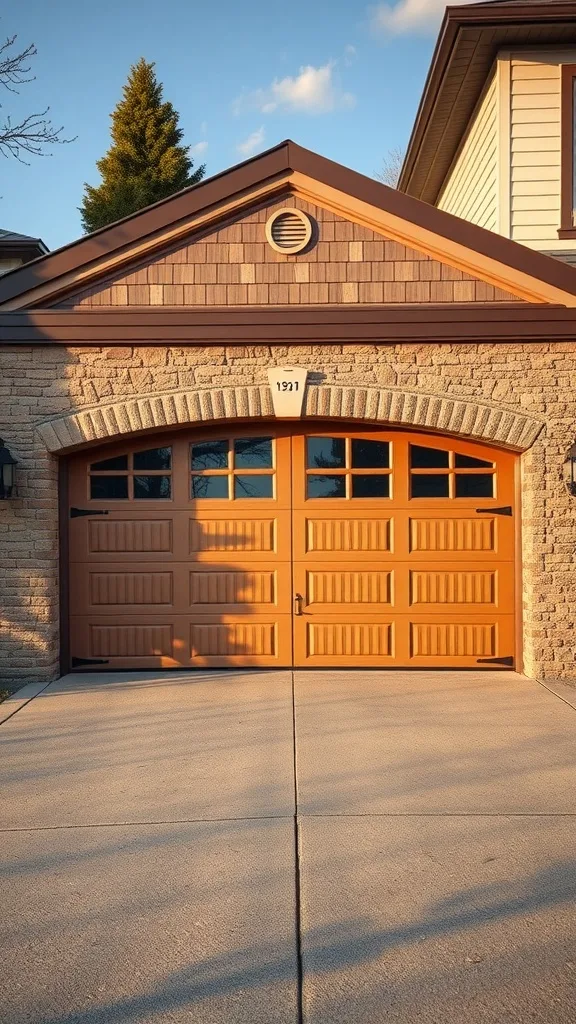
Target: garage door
[(324, 548)]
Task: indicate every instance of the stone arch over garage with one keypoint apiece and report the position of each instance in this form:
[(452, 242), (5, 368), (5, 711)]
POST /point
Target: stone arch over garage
[(459, 417)]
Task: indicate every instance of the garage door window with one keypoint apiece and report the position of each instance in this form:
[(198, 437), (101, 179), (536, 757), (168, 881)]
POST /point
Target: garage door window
[(235, 469), (136, 475), (346, 467), (436, 473)]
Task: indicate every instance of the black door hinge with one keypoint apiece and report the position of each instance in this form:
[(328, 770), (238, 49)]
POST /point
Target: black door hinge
[(76, 662), (508, 662), (505, 511), (75, 512)]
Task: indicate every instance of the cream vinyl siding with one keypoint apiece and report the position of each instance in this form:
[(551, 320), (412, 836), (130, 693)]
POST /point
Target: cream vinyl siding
[(471, 187), (535, 148)]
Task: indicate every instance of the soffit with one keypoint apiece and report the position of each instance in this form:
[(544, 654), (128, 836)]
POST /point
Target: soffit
[(460, 68)]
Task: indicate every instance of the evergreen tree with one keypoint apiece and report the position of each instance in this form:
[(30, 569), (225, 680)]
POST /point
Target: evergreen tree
[(145, 162)]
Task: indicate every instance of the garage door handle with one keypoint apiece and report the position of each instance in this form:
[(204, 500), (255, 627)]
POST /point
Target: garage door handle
[(505, 511), (298, 604)]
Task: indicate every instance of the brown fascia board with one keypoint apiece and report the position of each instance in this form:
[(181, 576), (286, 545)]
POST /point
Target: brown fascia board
[(424, 323), (275, 164), (455, 18)]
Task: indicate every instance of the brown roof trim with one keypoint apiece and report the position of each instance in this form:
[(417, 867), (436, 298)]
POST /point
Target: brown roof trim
[(275, 164), (567, 77), (451, 322), (455, 19)]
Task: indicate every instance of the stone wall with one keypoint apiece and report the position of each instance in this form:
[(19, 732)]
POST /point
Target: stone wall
[(38, 384)]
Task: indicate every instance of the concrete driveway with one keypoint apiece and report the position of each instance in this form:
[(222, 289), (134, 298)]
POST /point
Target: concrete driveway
[(268, 847)]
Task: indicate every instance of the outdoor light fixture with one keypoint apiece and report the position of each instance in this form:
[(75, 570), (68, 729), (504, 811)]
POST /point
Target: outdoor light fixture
[(571, 481), (7, 471)]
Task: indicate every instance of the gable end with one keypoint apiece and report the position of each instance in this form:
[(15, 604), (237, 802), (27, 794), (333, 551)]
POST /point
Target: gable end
[(235, 266)]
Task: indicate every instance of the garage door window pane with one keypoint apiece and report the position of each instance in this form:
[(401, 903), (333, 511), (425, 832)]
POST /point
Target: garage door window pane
[(373, 486), (428, 485), (326, 486), (467, 462), (253, 453), (326, 452), (108, 487), (253, 486), (210, 455), (119, 462), (477, 485), (209, 486), (370, 454), (428, 458), (152, 487), (154, 458)]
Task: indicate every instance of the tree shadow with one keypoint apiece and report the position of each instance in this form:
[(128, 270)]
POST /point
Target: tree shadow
[(252, 979)]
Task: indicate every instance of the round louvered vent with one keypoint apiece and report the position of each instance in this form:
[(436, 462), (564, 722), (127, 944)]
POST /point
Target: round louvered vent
[(289, 230)]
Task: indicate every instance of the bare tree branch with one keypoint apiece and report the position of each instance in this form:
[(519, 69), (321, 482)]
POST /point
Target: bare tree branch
[(12, 65), (33, 133), (29, 136), (391, 167)]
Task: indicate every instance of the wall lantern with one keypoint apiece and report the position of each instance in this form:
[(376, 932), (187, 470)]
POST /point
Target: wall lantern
[(571, 481), (7, 471)]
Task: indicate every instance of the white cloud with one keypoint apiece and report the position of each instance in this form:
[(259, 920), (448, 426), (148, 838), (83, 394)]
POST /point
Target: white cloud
[(409, 16), (199, 149), (252, 143), (312, 91)]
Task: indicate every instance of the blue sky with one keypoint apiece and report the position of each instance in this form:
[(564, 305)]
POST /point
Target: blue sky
[(336, 76)]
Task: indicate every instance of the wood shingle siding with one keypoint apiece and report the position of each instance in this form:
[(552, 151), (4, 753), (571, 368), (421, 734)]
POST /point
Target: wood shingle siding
[(235, 266), (471, 186)]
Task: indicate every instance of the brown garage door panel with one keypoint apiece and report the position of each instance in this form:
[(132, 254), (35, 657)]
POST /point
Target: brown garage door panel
[(427, 641), (344, 640), (120, 536), (226, 538), (450, 535), (330, 535), (147, 588), (179, 641), (460, 640), (143, 641), (227, 640), (113, 587), (326, 588), (469, 588)]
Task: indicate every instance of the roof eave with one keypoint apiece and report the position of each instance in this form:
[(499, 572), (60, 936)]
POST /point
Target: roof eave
[(456, 18)]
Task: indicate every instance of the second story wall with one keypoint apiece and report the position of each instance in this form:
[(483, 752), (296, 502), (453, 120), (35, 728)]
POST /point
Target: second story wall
[(534, 148), (471, 188), (507, 173)]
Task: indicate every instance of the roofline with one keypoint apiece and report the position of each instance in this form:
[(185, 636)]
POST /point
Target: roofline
[(275, 165), (121, 233), (456, 18), (292, 325)]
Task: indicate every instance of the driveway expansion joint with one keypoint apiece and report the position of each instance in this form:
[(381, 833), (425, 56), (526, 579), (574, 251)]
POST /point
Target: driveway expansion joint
[(297, 871), (139, 824)]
